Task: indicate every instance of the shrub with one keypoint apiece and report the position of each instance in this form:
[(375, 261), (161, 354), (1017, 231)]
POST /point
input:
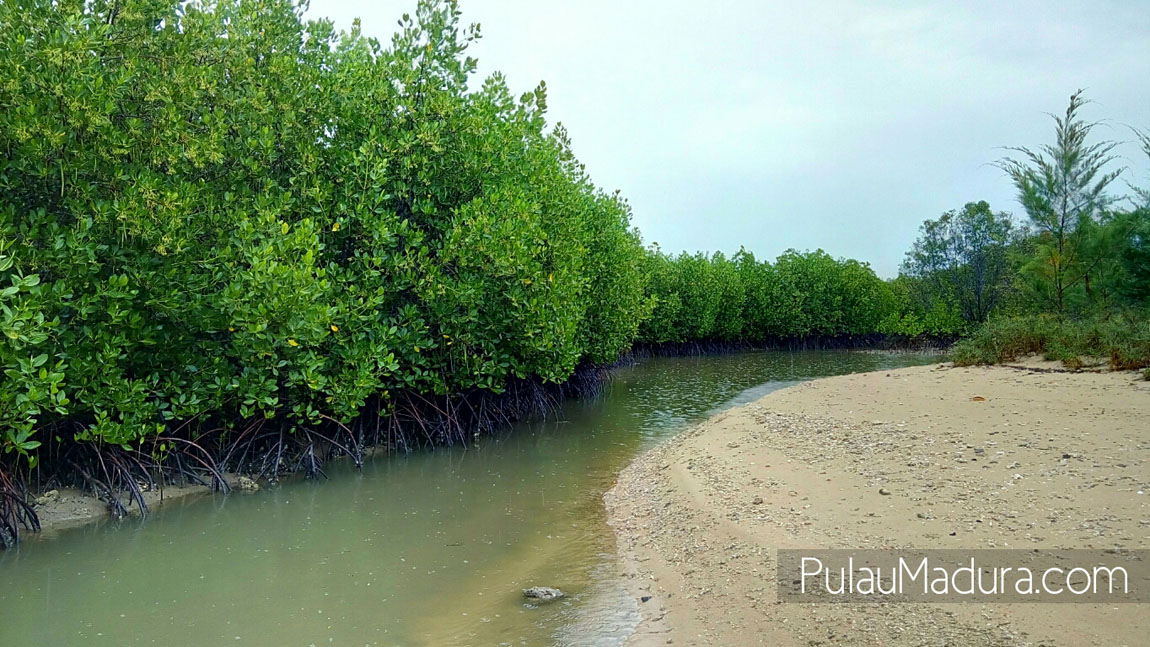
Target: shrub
[(213, 212), (1123, 340)]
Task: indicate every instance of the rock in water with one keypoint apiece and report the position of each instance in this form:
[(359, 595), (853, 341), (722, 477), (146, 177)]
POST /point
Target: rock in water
[(542, 593), (248, 485)]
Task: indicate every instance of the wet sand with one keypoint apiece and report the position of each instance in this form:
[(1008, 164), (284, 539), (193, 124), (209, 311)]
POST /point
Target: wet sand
[(60, 509), (925, 457)]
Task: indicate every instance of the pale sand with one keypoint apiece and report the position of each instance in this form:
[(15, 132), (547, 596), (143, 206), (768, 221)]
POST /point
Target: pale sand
[(818, 453)]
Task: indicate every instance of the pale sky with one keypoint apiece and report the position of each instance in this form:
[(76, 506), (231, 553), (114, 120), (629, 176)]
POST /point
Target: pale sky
[(830, 125)]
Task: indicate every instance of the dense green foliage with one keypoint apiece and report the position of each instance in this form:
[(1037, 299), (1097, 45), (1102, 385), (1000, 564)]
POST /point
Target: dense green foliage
[(216, 210), (212, 213), (961, 260), (1079, 238), (1005, 276), (1077, 284), (700, 298), (1134, 281), (1122, 340)]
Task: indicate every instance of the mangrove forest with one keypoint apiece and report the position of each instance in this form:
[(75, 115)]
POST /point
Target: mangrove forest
[(236, 240)]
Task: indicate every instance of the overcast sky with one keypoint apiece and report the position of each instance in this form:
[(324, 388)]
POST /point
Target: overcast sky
[(810, 125)]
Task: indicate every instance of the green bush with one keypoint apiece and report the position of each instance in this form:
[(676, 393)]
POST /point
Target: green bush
[(701, 298), (213, 211), (1122, 340)]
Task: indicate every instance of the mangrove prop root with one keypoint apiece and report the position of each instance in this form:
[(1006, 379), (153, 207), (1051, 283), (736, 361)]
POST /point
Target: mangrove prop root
[(104, 492), (15, 511), (201, 456), (203, 450)]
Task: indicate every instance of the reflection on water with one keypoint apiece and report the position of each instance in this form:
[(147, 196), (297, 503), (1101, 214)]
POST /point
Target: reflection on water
[(428, 549)]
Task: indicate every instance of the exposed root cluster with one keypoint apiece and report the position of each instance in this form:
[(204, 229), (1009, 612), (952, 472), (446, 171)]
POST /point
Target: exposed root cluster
[(191, 453)]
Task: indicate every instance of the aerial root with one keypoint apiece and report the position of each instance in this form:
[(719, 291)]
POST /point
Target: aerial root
[(15, 510), (194, 452)]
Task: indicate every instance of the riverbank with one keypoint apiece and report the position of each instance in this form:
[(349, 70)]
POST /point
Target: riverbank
[(927, 457), (871, 343), (255, 456), (63, 508)]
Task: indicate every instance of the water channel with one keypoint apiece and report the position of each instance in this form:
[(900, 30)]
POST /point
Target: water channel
[(426, 549)]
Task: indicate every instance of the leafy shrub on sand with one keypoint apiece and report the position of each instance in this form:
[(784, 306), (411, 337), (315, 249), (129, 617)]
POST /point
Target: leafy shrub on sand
[(1122, 340)]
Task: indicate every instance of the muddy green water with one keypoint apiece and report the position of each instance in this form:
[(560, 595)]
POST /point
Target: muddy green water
[(428, 549)]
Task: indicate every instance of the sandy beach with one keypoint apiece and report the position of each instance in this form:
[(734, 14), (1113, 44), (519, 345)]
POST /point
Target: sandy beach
[(928, 457)]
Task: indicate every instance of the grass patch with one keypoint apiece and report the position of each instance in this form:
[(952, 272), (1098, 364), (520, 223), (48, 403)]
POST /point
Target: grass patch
[(1123, 340)]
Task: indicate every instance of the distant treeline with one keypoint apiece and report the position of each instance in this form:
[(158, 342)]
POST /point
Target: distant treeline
[(800, 296), (1076, 267)]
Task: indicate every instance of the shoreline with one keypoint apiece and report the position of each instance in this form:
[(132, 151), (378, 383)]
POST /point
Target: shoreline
[(925, 457), (74, 507), (65, 508)]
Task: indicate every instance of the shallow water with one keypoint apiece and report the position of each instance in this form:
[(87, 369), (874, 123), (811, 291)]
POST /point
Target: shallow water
[(428, 549)]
